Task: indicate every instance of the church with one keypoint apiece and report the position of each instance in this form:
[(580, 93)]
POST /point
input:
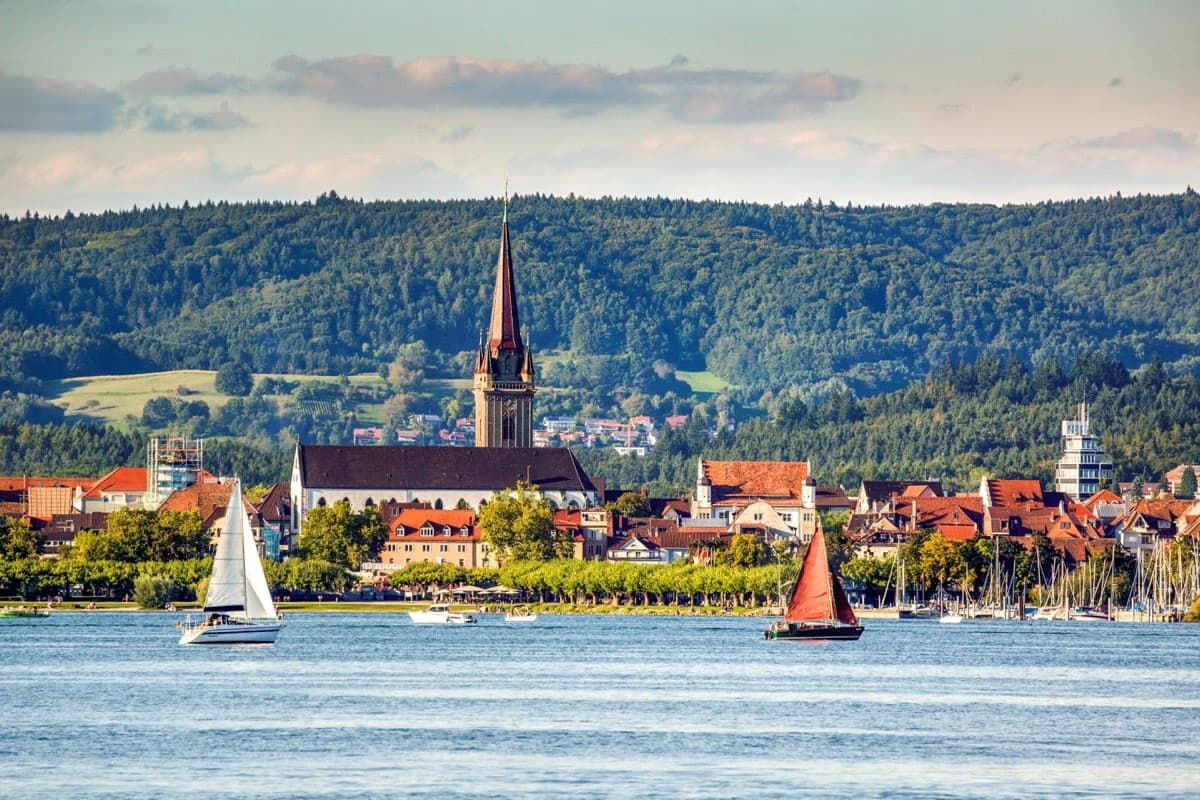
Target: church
[(446, 477)]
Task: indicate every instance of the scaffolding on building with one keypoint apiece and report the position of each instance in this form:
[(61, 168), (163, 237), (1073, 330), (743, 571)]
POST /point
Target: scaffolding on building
[(172, 463)]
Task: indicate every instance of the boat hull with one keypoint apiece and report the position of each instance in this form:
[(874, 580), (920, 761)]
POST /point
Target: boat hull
[(520, 617), (440, 618), (813, 631), (23, 613), (231, 633)]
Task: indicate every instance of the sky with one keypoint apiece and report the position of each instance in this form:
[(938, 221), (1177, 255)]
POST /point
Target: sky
[(106, 104)]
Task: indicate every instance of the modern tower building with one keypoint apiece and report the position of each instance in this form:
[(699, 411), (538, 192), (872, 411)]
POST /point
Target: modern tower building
[(1084, 466), (504, 367)]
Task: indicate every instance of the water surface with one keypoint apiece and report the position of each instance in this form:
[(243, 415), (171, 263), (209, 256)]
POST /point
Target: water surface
[(108, 705)]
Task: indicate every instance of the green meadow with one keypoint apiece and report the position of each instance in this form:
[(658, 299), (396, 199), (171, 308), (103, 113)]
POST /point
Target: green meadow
[(703, 382)]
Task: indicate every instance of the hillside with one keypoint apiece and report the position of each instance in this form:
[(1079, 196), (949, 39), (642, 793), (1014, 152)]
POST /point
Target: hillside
[(762, 297)]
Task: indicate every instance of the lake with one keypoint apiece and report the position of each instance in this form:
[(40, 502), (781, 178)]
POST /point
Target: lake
[(345, 705)]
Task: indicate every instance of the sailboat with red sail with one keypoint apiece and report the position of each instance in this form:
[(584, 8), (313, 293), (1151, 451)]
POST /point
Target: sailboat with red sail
[(818, 608)]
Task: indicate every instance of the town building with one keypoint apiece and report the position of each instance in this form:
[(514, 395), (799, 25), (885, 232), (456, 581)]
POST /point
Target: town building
[(448, 536), (778, 497), (1084, 466), (443, 477)]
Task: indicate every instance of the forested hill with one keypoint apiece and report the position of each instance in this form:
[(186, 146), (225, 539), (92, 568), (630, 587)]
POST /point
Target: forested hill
[(763, 296)]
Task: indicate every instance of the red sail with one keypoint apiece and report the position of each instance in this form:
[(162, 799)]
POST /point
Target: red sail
[(818, 593)]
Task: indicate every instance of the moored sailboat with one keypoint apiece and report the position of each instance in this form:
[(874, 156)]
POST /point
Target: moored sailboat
[(238, 608), (818, 608)]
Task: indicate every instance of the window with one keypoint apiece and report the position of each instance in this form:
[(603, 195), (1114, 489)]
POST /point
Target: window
[(408, 548), (424, 548), (427, 529), (443, 548)]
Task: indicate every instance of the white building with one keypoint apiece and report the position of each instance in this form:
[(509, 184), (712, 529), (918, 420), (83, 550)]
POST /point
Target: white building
[(441, 476), (1084, 466)]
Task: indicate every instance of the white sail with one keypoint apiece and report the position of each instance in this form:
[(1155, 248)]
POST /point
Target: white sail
[(238, 584)]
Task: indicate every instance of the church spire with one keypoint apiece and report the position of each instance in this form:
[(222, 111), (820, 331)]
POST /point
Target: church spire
[(504, 332), (504, 372)]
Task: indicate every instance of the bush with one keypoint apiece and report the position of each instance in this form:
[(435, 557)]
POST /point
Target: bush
[(151, 591)]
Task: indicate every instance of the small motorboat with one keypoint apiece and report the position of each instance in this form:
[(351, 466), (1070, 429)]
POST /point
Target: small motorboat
[(522, 614), (440, 614)]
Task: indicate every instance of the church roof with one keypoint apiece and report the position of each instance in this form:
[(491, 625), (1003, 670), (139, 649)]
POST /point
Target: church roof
[(393, 467), (504, 332)]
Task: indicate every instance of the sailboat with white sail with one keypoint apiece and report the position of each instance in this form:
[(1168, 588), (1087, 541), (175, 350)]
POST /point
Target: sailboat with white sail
[(238, 607)]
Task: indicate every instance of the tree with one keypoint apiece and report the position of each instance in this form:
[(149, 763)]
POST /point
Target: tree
[(746, 550), (630, 504), (337, 535), (234, 379), (1187, 483), (519, 525), (151, 591), (941, 561), (17, 540)]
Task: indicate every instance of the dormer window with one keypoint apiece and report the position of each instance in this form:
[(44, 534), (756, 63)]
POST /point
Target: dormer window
[(464, 531), (427, 529)]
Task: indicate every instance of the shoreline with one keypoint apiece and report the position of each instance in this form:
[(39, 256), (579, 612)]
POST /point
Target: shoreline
[(405, 606)]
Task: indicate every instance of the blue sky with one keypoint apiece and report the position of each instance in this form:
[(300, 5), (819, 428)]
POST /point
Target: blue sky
[(111, 103)]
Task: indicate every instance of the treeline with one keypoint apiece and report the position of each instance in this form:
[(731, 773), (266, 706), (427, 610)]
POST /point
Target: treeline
[(766, 297), (91, 451), (995, 417)]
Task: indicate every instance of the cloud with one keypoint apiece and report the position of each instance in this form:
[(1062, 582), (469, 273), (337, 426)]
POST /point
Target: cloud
[(223, 119), (1116, 83), (177, 82), (43, 104), (458, 134), (375, 81), (1013, 79), (83, 170), (692, 95), (801, 96), (1145, 137)]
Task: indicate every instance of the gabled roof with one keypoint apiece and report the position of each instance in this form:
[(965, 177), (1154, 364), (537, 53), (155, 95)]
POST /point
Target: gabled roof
[(446, 468), (13, 487), (659, 507), (276, 505), (1013, 492), (210, 499), (882, 491), (121, 479), (410, 521), (744, 480), (1103, 496), (1166, 509), (635, 542), (833, 497)]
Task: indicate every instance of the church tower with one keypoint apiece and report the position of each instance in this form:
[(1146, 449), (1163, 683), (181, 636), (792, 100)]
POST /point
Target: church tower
[(504, 367)]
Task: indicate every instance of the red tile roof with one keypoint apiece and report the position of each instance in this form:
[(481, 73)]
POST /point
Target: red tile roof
[(121, 479), (408, 523), (741, 480), (208, 498), (1013, 492)]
